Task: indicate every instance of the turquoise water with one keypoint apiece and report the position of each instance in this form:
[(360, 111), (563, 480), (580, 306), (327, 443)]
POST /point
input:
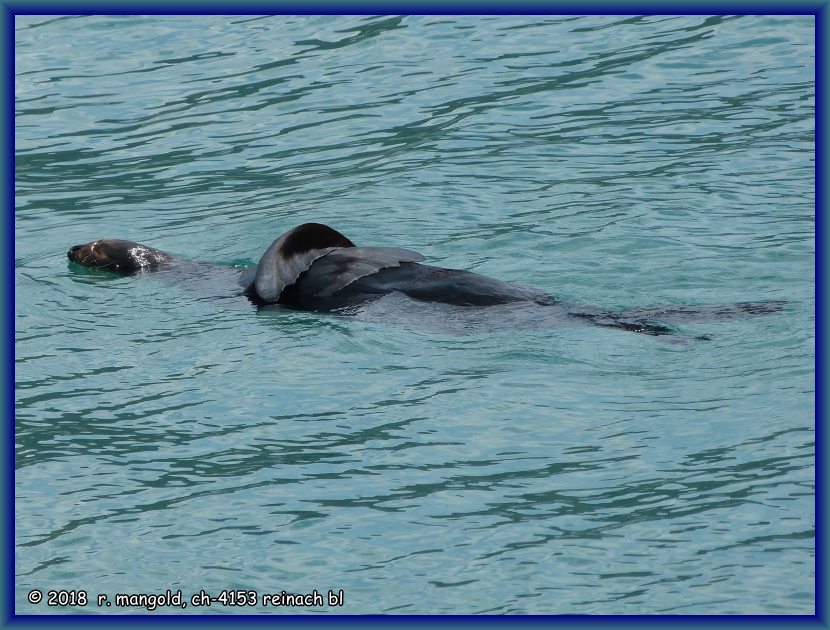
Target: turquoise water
[(169, 442)]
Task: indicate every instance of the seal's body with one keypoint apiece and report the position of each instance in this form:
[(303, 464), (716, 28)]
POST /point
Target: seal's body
[(315, 267)]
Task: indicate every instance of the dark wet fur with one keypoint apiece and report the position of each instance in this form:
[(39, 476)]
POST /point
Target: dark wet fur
[(420, 282), (313, 236), (118, 256)]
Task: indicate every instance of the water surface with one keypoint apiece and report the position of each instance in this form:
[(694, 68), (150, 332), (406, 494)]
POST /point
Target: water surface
[(163, 441)]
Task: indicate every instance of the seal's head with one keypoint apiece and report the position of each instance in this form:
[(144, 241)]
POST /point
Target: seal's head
[(124, 257)]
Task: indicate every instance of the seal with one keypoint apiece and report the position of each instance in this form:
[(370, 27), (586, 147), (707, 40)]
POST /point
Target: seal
[(316, 268)]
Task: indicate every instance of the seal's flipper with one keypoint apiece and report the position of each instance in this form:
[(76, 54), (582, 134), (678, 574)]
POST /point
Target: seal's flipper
[(292, 254), (697, 313), (606, 319), (341, 267)]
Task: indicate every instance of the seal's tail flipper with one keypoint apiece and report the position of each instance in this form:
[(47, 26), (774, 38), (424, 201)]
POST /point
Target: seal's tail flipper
[(692, 314), (615, 320), (631, 326)]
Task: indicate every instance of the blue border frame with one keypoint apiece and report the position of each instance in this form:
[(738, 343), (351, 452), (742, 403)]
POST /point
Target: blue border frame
[(7, 283), (10, 8), (413, 7), (822, 18)]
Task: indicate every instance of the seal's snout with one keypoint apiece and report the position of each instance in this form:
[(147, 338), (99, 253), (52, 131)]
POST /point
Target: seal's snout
[(84, 255)]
